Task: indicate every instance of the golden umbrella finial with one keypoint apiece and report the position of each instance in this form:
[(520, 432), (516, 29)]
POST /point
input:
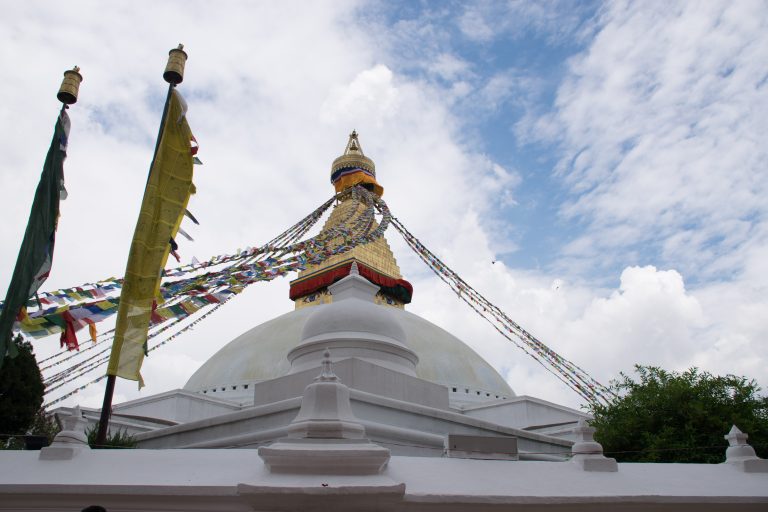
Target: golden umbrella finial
[(353, 145), (354, 156), (70, 86)]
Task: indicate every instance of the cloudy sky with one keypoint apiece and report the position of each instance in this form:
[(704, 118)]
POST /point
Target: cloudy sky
[(610, 157)]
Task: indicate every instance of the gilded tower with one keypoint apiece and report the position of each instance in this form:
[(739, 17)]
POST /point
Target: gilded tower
[(375, 259)]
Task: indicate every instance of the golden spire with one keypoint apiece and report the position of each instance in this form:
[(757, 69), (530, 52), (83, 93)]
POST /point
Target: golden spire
[(354, 168), (310, 288)]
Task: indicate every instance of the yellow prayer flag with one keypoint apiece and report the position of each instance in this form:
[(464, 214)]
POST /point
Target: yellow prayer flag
[(105, 305), (165, 199), (164, 313)]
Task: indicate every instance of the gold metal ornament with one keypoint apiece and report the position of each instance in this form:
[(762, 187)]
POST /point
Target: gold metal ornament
[(353, 156), (174, 70), (70, 86)]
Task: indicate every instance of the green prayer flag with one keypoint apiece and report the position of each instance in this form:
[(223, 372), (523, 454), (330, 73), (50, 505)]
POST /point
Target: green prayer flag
[(36, 253)]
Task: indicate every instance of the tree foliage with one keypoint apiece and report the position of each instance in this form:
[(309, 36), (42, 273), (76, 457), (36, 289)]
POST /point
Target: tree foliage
[(679, 417), (44, 424), (21, 390)]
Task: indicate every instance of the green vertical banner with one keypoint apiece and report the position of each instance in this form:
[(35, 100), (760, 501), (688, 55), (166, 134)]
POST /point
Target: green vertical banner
[(36, 253)]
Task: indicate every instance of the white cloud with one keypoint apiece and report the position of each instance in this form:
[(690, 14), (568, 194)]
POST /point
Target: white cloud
[(650, 314), (449, 67), (371, 95), (658, 119), (474, 26), (649, 319)]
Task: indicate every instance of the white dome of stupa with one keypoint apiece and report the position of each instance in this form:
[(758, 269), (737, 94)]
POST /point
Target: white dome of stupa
[(261, 354)]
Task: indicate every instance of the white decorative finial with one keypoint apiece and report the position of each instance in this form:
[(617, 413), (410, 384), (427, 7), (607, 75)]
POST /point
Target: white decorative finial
[(75, 422), (742, 455), (70, 441), (586, 434), (326, 375), (325, 437), (354, 271), (588, 453), (736, 437)]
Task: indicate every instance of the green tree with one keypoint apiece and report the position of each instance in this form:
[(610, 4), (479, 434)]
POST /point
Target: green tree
[(21, 390), (44, 424), (679, 417)]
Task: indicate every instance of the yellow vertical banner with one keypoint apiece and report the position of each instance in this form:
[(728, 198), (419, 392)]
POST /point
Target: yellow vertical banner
[(162, 209)]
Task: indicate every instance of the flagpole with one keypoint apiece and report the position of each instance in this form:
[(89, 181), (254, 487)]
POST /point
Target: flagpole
[(174, 75), (36, 251), (171, 86)]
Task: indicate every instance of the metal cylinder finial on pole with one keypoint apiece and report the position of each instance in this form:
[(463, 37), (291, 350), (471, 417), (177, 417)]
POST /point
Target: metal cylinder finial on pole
[(70, 86), (174, 70)]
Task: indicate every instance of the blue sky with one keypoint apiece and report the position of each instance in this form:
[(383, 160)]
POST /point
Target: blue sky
[(512, 67), (526, 59), (610, 156)]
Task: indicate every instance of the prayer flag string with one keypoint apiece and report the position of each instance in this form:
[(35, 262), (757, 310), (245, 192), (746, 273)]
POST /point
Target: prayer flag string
[(215, 286), (569, 373)]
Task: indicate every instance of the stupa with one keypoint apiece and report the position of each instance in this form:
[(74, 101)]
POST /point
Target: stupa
[(349, 402), (260, 354), (402, 370)]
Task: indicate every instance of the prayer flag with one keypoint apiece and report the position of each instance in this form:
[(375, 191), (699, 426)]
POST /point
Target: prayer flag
[(36, 253), (165, 201)]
